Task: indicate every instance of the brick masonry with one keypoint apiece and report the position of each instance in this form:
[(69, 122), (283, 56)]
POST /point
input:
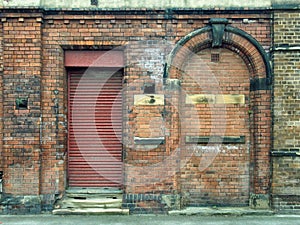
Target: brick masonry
[(160, 176), (21, 80), (212, 185), (286, 165), (1, 109)]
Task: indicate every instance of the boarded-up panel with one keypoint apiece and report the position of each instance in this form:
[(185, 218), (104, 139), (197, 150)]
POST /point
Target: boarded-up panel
[(95, 128)]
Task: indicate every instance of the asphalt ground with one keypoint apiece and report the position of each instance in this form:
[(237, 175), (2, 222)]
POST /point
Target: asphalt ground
[(149, 219)]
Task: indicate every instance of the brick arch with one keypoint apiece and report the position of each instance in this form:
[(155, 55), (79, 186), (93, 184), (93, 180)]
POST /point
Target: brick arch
[(256, 59), (234, 39)]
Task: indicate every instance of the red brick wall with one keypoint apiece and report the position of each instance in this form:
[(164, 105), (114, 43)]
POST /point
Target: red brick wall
[(259, 105), (216, 174), (54, 114), (1, 96), (35, 160), (22, 63), (286, 144)]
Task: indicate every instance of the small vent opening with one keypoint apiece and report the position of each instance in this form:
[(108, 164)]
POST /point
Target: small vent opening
[(80, 198), (94, 2), (215, 57), (21, 103), (149, 88)]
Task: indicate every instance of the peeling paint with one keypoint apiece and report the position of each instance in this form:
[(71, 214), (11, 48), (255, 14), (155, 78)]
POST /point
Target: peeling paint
[(152, 59), (222, 149)]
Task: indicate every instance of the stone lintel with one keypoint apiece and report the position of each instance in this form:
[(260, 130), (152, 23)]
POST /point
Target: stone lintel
[(215, 139)]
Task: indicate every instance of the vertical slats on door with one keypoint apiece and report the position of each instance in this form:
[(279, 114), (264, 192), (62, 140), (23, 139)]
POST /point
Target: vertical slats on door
[(95, 128)]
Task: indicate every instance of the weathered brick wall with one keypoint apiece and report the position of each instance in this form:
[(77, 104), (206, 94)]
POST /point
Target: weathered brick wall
[(54, 115), (202, 78), (35, 140), (206, 179), (1, 96), (21, 80), (286, 185)]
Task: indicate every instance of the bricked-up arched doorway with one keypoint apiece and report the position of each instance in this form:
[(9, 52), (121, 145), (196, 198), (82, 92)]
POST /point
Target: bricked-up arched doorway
[(225, 116)]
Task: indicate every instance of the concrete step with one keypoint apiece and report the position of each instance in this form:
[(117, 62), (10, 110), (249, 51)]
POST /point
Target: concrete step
[(90, 211), (94, 191), (221, 211), (91, 203), (85, 193), (91, 196)]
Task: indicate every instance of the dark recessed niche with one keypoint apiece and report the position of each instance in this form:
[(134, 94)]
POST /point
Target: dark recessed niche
[(94, 2), (21, 103), (149, 88), (215, 139)]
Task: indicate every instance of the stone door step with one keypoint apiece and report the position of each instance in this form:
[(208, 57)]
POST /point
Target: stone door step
[(91, 193), (91, 211), (91, 203), (94, 191)]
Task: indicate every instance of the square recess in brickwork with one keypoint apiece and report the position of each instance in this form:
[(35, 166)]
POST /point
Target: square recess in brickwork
[(215, 57), (94, 2), (149, 88), (21, 103)]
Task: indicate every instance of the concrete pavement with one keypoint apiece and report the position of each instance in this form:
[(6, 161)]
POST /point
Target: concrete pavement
[(221, 211), (149, 220)]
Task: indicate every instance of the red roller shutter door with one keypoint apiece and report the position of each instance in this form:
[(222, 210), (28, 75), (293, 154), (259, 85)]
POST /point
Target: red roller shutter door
[(95, 128)]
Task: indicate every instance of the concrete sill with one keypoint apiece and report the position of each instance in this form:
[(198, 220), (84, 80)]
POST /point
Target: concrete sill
[(149, 141)]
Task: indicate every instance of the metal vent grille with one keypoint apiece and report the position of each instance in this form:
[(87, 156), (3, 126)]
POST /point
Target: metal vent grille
[(215, 57)]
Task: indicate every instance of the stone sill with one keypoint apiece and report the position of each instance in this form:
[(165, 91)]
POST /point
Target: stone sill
[(285, 153), (215, 139), (149, 141)]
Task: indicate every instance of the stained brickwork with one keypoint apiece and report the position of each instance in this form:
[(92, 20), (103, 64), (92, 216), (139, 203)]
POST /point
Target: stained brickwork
[(212, 185), (1, 98), (156, 178), (21, 81), (22, 52), (285, 185), (259, 115)]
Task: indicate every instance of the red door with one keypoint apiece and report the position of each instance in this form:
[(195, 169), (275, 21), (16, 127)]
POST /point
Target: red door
[(95, 128)]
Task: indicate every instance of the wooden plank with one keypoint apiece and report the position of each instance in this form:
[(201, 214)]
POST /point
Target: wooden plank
[(230, 99), (215, 99), (200, 99), (149, 99)]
